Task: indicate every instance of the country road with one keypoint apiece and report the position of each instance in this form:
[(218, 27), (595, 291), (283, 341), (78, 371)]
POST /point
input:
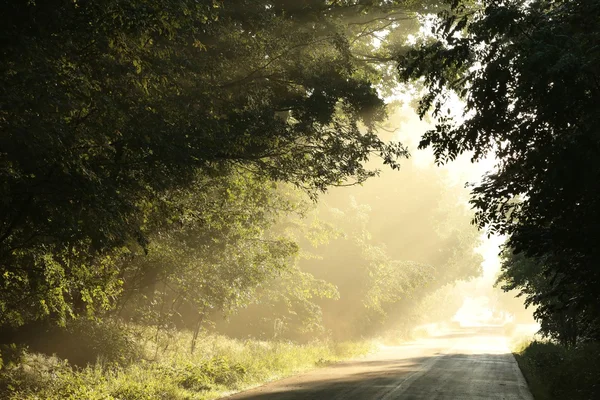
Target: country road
[(470, 363)]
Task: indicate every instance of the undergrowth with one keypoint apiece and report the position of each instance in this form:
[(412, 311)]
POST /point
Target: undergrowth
[(554, 372), (166, 369)]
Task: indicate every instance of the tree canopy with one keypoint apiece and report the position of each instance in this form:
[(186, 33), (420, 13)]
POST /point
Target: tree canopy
[(112, 111)]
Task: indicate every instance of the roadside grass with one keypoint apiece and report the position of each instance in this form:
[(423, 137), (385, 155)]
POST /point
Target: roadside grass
[(218, 366), (554, 372)]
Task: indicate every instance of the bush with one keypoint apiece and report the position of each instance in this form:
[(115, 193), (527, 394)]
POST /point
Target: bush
[(86, 341), (82, 342), (11, 354), (555, 372)]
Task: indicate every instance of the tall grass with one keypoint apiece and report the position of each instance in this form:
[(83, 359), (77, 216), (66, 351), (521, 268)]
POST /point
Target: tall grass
[(217, 366)]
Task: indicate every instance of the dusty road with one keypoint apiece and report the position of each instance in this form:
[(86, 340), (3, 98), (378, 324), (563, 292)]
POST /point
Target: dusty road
[(469, 364)]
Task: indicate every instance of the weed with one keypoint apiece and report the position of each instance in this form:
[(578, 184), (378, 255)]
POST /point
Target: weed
[(217, 366)]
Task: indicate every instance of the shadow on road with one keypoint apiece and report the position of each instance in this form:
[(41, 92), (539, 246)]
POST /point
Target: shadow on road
[(460, 375)]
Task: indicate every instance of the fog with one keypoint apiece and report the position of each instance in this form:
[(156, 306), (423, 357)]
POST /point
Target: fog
[(399, 251)]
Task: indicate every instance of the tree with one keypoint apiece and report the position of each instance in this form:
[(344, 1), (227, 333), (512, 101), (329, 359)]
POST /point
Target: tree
[(286, 307), (527, 74), (107, 108), (543, 288), (218, 250)]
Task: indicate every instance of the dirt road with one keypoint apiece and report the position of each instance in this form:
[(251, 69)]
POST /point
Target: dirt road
[(465, 364)]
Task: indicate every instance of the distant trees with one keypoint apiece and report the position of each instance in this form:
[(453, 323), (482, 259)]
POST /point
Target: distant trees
[(404, 236), (529, 78), (370, 259)]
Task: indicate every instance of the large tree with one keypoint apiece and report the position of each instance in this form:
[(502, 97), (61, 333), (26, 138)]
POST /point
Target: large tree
[(528, 75)]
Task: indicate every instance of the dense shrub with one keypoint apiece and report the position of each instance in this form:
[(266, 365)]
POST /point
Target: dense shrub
[(555, 372)]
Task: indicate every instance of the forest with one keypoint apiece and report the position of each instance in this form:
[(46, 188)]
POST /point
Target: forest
[(197, 196)]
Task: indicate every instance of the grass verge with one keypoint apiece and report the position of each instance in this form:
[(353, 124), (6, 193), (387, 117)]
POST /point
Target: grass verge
[(554, 372), (219, 365)]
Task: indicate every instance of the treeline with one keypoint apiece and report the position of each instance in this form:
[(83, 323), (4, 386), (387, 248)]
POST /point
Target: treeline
[(124, 121)]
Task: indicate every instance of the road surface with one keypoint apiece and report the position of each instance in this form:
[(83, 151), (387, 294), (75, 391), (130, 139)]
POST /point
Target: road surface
[(470, 363)]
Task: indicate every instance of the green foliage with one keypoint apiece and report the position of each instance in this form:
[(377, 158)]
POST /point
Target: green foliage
[(85, 341), (554, 372), (222, 246), (527, 74), (81, 342), (109, 109), (10, 354), (286, 307), (558, 317)]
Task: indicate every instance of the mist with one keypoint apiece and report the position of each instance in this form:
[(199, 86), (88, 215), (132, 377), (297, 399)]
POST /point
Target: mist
[(396, 254)]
